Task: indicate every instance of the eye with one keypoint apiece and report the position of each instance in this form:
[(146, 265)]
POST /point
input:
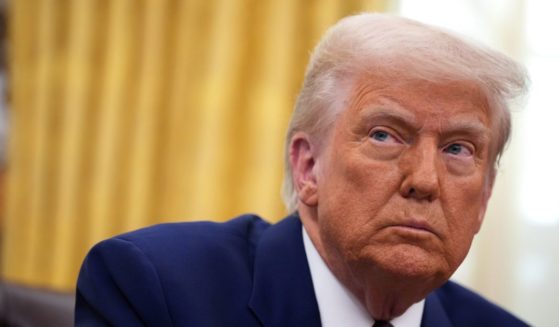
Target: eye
[(383, 137), (458, 149), (380, 136)]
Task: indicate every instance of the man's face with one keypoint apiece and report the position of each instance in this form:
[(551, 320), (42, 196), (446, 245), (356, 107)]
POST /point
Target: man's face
[(403, 181)]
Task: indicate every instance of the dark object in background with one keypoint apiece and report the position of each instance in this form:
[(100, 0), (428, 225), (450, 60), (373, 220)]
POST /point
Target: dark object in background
[(29, 307)]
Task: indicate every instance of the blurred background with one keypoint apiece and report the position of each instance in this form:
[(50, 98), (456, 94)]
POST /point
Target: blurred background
[(117, 114)]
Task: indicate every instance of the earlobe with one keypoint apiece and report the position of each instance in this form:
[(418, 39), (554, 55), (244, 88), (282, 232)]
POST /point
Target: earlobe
[(308, 195), (303, 165)]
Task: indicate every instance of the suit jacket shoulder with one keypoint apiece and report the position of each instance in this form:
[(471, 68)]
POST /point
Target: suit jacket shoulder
[(150, 276), (455, 305)]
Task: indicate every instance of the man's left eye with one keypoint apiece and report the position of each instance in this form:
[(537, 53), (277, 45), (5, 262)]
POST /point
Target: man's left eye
[(458, 149)]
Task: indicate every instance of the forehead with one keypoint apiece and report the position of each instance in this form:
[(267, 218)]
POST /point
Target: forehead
[(418, 101)]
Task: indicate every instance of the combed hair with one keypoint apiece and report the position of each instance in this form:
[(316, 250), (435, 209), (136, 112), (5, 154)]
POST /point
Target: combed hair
[(402, 49)]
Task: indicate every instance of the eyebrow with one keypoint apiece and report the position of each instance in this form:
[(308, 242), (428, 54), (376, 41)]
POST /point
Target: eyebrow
[(391, 112), (468, 126), (395, 113)]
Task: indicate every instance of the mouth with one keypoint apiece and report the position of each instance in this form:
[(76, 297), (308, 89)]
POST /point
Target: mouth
[(415, 226)]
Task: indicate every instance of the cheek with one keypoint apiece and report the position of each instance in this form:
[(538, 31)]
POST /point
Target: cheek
[(364, 185), (462, 206), (352, 193)]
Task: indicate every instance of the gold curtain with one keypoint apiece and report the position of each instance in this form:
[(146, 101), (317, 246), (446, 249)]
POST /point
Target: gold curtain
[(127, 113)]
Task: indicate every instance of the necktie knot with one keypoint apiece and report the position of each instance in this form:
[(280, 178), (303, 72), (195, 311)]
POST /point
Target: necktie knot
[(382, 323)]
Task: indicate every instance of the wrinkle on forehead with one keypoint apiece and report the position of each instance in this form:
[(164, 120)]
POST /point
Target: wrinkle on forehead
[(400, 94)]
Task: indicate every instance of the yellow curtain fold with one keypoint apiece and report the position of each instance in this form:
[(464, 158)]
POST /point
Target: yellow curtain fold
[(127, 113)]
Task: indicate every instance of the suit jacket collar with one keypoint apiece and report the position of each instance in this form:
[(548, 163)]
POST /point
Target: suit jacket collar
[(283, 293), (434, 314)]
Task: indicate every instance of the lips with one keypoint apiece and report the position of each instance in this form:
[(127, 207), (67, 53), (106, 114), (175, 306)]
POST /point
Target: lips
[(418, 225)]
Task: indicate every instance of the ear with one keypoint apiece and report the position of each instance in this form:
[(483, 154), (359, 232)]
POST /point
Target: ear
[(487, 191), (303, 164)]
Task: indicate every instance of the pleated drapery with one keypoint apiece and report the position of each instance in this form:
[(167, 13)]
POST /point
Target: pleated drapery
[(126, 113)]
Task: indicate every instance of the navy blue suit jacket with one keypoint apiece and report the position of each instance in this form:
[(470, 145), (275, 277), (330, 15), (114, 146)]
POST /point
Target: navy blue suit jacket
[(244, 272)]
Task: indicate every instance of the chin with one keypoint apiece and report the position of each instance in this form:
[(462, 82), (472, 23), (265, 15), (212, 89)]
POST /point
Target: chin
[(412, 262)]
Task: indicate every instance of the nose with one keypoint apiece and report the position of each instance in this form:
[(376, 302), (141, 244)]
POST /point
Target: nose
[(420, 172)]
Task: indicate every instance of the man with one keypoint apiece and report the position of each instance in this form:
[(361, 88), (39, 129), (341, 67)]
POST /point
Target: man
[(391, 157)]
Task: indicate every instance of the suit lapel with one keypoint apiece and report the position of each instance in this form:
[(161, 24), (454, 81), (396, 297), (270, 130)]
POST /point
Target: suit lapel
[(434, 314), (283, 293)]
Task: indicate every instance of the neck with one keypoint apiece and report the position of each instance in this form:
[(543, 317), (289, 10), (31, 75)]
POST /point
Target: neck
[(386, 296)]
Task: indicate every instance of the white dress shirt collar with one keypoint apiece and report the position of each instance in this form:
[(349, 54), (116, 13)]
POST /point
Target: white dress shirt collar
[(338, 306)]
